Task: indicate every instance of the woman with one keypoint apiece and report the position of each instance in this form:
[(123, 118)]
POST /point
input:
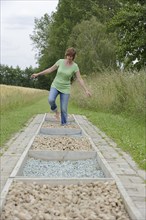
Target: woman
[(66, 69)]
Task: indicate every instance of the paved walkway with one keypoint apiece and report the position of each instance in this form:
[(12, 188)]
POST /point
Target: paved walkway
[(121, 163), (15, 148)]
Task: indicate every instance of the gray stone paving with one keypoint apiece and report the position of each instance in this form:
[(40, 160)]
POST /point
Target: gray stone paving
[(15, 148), (132, 178)]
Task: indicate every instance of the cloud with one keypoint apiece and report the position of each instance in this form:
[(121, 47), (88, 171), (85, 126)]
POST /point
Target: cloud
[(17, 23), (22, 13), (30, 7)]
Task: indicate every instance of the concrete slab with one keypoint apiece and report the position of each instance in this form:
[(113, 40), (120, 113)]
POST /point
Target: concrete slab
[(62, 181), (137, 190), (122, 168), (141, 173), (3, 181), (51, 118), (109, 154), (8, 162), (60, 131), (62, 155), (129, 179)]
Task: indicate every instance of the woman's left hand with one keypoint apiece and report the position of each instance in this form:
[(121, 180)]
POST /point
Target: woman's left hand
[(88, 93)]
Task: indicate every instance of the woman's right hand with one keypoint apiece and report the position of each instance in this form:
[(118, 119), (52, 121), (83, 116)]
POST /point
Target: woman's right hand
[(34, 75)]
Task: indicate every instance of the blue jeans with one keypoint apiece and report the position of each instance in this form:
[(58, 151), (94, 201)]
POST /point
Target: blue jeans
[(64, 98)]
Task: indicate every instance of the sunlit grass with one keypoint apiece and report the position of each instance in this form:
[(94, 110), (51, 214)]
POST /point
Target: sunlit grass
[(14, 96)]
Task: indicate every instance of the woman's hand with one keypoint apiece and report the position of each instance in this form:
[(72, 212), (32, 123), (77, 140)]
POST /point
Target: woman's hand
[(88, 93), (34, 75)]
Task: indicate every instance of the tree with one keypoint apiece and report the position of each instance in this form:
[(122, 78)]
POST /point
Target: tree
[(9, 75), (141, 2), (40, 36), (70, 13), (95, 47), (130, 25), (51, 34), (17, 76)]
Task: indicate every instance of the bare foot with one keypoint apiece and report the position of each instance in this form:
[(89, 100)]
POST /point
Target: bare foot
[(57, 116)]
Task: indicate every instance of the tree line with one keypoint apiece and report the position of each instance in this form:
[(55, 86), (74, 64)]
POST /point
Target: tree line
[(18, 77), (107, 34)]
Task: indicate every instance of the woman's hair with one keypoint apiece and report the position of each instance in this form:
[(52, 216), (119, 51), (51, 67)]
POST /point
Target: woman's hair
[(71, 52)]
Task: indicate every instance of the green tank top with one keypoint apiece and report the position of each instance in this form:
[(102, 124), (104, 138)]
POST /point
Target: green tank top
[(62, 81)]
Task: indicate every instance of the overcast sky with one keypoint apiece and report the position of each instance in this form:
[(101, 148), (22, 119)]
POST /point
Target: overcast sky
[(17, 23)]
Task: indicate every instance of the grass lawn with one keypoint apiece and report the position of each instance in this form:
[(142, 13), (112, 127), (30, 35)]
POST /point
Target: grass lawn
[(127, 132)]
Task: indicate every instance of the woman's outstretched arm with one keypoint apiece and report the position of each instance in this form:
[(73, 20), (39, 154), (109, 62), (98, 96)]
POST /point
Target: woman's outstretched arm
[(44, 72)]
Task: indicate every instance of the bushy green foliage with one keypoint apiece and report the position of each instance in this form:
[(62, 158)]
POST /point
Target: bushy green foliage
[(130, 26), (124, 17), (56, 32), (40, 37), (95, 47), (17, 76)]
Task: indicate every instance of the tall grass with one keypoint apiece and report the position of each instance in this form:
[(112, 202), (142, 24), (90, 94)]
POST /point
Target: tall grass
[(117, 107), (113, 92), (14, 96)]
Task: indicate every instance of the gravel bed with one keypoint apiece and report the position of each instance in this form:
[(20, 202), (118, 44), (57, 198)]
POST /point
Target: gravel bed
[(92, 201), (58, 125), (52, 118), (62, 169), (44, 142)]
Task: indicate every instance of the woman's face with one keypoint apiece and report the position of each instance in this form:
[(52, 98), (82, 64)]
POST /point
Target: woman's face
[(69, 58)]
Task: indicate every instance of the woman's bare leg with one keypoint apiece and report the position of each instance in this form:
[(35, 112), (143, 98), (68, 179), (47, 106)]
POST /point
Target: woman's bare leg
[(57, 115)]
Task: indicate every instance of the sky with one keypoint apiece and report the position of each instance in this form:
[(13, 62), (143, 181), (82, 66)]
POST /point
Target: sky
[(17, 24)]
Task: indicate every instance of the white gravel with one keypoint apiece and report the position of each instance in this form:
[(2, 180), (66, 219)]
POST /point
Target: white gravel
[(63, 169)]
